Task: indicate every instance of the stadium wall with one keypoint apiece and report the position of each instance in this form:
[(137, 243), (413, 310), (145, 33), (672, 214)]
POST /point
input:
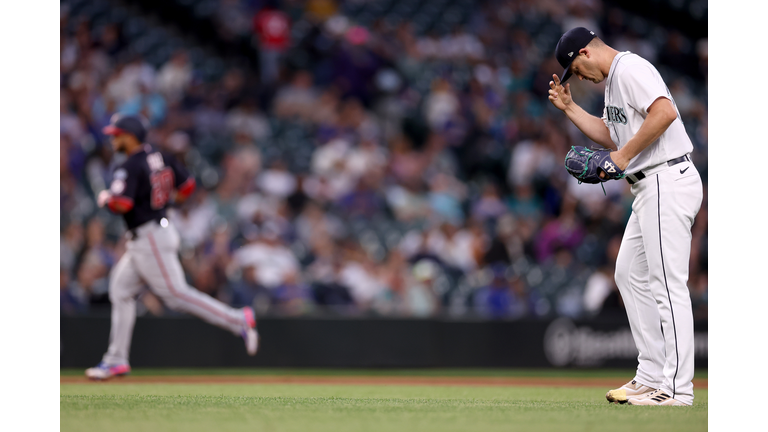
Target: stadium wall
[(367, 343)]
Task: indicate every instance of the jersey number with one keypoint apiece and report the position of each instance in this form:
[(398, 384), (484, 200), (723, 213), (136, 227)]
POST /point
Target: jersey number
[(162, 185)]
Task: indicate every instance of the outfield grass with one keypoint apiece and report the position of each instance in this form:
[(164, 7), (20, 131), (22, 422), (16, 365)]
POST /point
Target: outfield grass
[(619, 374), (299, 407)]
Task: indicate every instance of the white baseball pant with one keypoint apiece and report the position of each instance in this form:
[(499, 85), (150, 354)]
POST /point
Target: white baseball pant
[(652, 275)]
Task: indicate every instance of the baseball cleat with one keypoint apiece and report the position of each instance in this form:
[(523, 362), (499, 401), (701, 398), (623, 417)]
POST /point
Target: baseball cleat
[(656, 398), (103, 371), (251, 338), (250, 317), (249, 333), (632, 389)]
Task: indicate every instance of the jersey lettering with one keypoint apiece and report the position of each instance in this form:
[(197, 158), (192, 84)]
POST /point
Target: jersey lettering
[(155, 162), (162, 185), (616, 114)]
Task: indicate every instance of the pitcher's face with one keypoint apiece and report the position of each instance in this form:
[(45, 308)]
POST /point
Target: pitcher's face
[(585, 67)]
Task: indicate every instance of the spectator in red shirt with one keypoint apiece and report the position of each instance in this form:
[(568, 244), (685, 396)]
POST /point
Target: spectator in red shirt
[(272, 30)]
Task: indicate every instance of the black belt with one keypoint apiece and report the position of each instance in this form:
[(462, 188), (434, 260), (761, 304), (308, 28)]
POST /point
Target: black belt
[(672, 162)]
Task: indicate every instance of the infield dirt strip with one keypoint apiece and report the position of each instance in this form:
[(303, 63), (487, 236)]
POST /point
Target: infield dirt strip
[(369, 380)]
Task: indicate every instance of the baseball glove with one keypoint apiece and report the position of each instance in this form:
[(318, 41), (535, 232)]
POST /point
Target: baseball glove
[(586, 164)]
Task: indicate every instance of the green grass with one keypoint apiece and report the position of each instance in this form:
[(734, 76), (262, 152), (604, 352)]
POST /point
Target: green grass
[(339, 408), (620, 374)]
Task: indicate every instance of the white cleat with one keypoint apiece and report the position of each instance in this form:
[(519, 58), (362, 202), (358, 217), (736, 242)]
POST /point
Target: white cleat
[(656, 398), (632, 389), (251, 338), (249, 333), (103, 371)]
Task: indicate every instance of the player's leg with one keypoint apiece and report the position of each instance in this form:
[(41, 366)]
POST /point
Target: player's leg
[(671, 204), (160, 267), (124, 287), (632, 280)]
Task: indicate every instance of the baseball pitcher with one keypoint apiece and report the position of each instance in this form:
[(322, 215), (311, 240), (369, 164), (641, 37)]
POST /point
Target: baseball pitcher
[(647, 145)]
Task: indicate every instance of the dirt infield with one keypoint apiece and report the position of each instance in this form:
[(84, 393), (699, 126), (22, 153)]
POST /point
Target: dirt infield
[(369, 380)]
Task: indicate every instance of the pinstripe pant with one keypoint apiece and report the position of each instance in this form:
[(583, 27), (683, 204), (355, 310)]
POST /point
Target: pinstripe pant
[(152, 259), (652, 277)]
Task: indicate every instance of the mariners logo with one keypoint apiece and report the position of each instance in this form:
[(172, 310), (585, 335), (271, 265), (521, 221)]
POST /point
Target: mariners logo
[(616, 114)]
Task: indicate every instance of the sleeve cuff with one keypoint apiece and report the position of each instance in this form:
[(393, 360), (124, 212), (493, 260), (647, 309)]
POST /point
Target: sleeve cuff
[(185, 189), (120, 204)]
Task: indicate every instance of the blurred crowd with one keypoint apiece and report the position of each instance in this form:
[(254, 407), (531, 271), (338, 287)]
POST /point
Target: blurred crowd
[(370, 166)]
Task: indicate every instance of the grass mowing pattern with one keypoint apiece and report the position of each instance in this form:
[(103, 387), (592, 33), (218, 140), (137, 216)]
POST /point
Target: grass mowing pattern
[(287, 408)]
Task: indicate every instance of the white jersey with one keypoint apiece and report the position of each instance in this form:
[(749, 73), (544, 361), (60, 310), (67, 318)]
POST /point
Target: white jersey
[(632, 85)]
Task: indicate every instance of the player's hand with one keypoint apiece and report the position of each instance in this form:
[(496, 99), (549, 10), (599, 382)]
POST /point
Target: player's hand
[(101, 200), (621, 161), (559, 96)]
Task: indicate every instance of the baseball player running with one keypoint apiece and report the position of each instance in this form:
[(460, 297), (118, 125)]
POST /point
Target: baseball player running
[(647, 144), (142, 188)]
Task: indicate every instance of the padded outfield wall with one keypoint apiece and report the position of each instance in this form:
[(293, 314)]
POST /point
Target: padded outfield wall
[(367, 343)]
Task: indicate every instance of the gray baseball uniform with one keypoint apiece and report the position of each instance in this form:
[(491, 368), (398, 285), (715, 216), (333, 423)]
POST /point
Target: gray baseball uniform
[(143, 184)]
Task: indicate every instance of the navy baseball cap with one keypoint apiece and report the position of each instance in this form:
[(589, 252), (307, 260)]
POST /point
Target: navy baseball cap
[(121, 124), (568, 48)]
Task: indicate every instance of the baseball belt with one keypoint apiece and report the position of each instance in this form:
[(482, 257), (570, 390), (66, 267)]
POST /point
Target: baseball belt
[(133, 234), (636, 177)]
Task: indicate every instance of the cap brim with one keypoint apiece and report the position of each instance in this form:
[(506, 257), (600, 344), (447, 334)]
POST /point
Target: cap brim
[(113, 130), (566, 74)]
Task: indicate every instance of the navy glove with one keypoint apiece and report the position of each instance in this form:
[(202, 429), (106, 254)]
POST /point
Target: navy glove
[(586, 165)]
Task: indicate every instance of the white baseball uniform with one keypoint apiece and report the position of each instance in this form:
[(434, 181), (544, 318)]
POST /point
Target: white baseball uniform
[(652, 265)]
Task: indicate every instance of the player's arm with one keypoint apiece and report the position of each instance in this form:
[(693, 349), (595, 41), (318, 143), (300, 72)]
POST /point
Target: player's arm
[(115, 203), (184, 190), (184, 183), (645, 92), (119, 197), (591, 126), (661, 114)]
